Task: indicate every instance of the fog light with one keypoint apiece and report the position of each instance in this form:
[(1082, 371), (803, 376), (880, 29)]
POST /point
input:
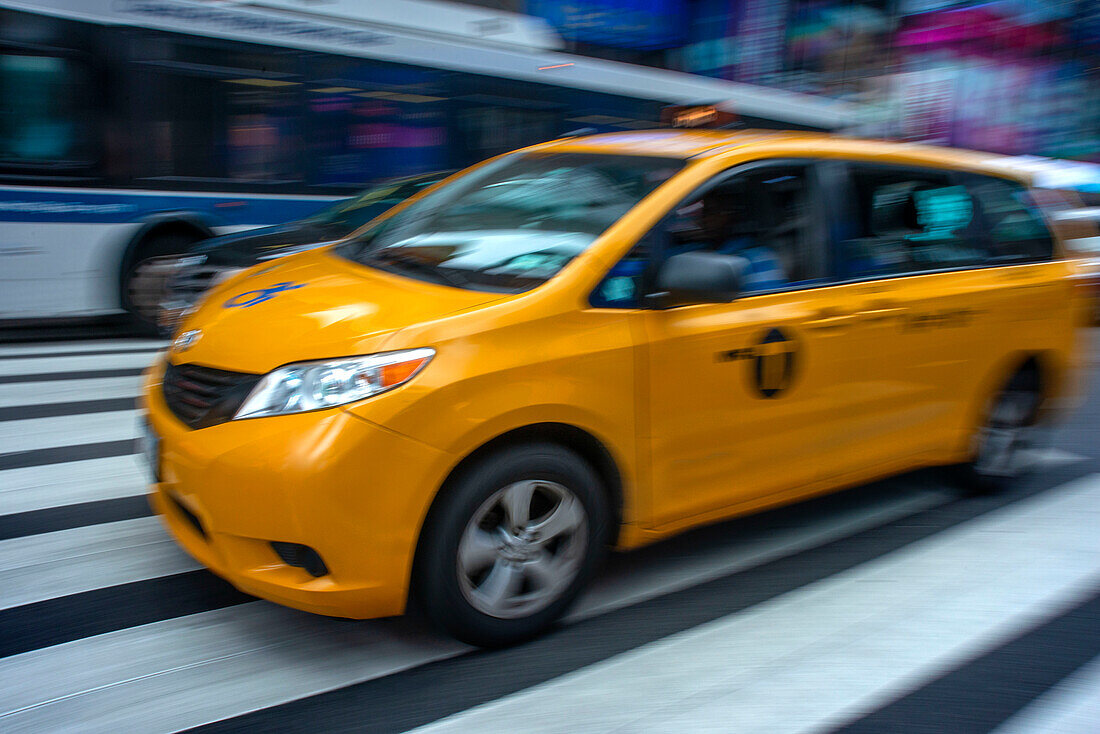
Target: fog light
[(300, 556)]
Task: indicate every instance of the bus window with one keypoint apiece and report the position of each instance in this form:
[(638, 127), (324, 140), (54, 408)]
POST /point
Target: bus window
[(222, 114), (43, 116), (370, 121)]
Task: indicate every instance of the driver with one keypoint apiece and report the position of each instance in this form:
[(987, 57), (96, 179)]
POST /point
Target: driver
[(721, 211)]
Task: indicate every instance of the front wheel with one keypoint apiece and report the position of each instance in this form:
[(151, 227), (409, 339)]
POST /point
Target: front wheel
[(511, 545)]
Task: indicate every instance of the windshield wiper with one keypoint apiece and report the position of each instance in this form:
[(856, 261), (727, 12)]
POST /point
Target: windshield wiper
[(413, 263)]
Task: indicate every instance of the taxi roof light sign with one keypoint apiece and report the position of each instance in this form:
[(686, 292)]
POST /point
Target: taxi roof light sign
[(698, 116)]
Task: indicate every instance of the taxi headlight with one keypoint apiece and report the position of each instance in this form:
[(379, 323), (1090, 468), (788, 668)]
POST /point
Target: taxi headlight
[(297, 388)]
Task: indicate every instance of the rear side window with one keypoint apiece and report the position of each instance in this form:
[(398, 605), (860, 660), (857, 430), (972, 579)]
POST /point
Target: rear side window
[(1013, 231), (900, 220)]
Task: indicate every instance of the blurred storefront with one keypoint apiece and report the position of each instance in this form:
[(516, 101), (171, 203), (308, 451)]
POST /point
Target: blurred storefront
[(1014, 75), (1010, 76), (634, 31)]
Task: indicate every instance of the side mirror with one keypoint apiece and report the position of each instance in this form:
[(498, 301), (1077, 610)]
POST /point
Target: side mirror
[(699, 277)]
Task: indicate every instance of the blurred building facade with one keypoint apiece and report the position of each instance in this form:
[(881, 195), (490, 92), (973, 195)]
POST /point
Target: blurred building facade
[(1009, 76)]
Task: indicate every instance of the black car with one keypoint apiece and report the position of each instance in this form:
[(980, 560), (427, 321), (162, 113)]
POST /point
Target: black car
[(211, 261)]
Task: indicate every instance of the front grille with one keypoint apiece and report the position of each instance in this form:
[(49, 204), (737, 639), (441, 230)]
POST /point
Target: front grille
[(203, 396)]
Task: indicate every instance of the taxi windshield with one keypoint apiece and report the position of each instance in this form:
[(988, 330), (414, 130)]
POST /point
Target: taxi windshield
[(513, 224)]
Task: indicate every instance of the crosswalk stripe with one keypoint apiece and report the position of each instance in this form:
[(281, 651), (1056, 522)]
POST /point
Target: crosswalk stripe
[(39, 365), (266, 683), (203, 667), (1071, 707), (79, 515), (80, 353), (52, 485), (63, 454), (878, 629), (67, 376), (51, 410), (49, 565), (46, 433), (768, 544), (62, 619), (989, 687), (68, 391), (398, 702), (97, 345), (654, 572)]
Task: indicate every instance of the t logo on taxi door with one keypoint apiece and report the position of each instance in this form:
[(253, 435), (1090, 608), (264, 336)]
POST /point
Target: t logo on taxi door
[(774, 363)]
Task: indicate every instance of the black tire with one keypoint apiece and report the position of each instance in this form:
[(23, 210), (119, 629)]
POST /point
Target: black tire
[(1007, 424), (142, 311), (443, 593)]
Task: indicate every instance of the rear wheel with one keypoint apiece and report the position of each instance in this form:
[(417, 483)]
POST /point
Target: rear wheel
[(1000, 445), (145, 279), (511, 545)]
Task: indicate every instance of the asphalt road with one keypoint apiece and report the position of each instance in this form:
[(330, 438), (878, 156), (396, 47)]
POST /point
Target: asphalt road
[(899, 606)]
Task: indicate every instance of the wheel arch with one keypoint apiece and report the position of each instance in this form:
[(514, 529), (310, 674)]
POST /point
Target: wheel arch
[(1042, 366), (577, 439)]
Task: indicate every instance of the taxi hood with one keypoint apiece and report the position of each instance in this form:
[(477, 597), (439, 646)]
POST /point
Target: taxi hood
[(314, 305)]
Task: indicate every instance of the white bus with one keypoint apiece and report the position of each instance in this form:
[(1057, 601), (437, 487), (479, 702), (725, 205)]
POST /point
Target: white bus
[(130, 129)]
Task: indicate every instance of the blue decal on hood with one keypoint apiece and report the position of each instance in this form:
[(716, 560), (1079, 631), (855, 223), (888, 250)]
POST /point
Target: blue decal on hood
[(251, 298)]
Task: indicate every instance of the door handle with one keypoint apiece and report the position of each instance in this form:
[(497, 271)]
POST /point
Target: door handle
[(873, 314), (831, 321)]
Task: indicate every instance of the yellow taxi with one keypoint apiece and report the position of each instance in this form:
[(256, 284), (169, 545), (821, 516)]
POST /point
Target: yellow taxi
[(598, 342)]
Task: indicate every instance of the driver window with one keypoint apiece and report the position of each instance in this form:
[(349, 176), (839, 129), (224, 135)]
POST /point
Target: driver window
[(764, 216)]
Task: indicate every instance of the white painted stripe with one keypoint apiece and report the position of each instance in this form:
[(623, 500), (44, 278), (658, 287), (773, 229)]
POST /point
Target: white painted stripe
[(182, 672), (227, 662), (89, 363), (105, 345), (253, 661), (39, 567), (68, 430), (902, 496), (653, 577), (1071, 707), (55, 485), (68, 391), (815, 657)]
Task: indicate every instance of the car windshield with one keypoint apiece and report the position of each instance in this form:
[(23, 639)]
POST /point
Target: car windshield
[(352, 213), (513, 224)]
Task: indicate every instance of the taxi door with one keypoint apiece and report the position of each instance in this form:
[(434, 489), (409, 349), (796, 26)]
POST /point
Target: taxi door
[(748, 400), (912, 269)]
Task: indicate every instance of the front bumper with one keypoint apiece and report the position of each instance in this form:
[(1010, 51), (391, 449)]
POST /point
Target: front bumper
[(353, 491)]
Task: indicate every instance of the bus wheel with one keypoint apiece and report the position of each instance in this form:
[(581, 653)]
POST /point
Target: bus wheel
[(145, 280), (511, 544)]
